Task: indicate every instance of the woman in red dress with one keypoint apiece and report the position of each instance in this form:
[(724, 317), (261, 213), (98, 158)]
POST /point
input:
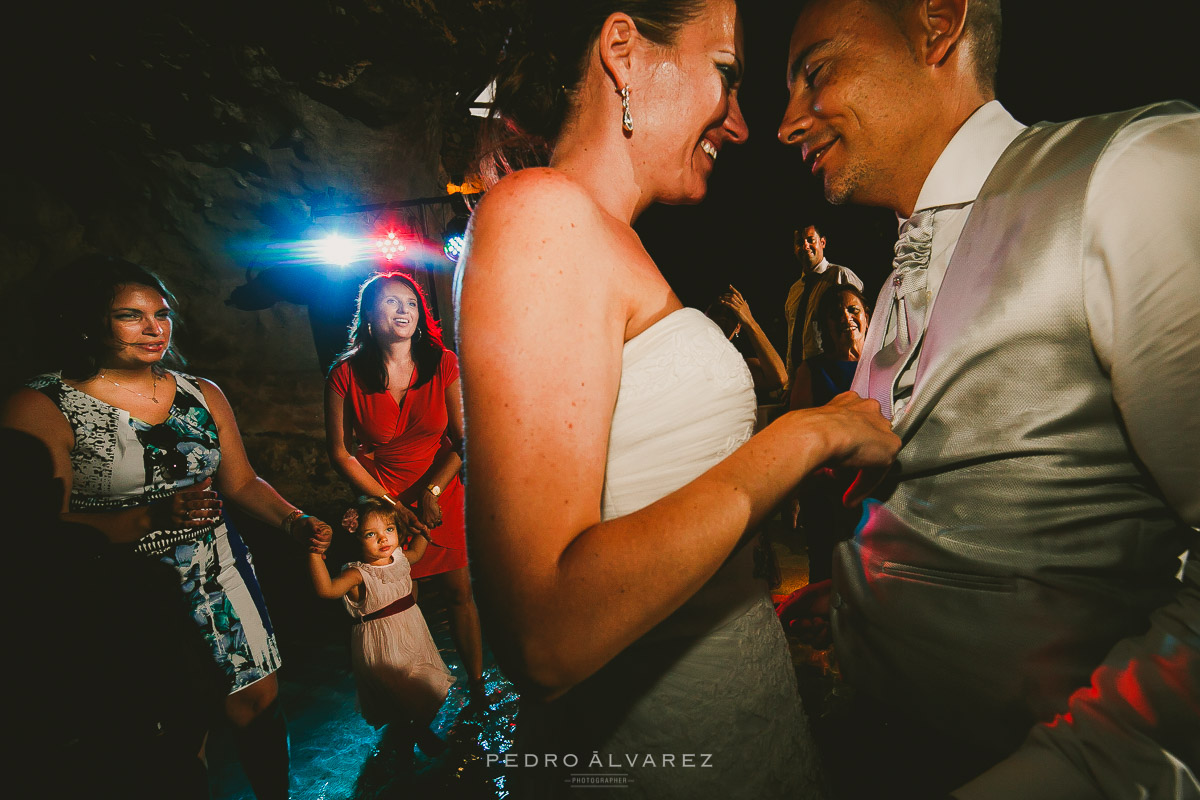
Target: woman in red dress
[(393, 427)]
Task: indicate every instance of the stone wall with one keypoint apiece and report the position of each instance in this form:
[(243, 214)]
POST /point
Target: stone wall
[(201, 142)]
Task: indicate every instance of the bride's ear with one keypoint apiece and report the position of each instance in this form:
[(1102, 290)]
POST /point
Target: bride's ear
[(616, 45)]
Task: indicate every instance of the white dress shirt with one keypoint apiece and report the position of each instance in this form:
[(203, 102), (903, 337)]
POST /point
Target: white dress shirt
[(951, 188)]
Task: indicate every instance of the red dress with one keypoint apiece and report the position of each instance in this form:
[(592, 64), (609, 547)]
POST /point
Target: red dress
[(398, 446)]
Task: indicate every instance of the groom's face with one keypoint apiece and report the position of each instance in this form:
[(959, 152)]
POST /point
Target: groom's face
[(853, 84)]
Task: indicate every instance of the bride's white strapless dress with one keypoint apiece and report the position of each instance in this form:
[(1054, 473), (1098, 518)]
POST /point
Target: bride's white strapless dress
[(714, 681)]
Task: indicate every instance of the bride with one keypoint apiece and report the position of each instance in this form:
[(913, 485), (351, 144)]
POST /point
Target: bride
[(613, 483)]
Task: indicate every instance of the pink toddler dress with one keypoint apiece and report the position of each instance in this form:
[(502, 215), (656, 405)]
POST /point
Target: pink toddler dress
[(397, 668)]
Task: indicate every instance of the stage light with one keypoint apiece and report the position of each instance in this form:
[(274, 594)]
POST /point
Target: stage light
[(338, 250), (390, 245), (455, 238), (454, 247)]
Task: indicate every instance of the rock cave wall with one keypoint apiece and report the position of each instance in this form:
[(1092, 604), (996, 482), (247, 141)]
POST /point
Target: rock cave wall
[(200, 140)]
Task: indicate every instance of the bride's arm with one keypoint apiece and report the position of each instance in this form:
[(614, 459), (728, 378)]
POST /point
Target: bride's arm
[(543, 312)]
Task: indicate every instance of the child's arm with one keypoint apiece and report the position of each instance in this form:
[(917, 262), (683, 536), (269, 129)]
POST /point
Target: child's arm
[(349, 582), (416, 548)]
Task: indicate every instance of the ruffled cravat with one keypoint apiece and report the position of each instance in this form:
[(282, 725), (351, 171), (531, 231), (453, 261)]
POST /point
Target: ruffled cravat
[(906, 301)]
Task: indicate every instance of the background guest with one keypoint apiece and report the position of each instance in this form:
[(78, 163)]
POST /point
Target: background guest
[(843, 316), (800, 308), (393, 429), (136, 733), (139, 448), (732, 313)]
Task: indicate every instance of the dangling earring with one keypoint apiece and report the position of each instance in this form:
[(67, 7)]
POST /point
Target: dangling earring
[(626, 118), (369, 331), (418, 336)]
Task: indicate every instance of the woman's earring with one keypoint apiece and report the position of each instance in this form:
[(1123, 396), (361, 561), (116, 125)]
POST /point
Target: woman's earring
[(418, 336), (626, 118), (369, 331)]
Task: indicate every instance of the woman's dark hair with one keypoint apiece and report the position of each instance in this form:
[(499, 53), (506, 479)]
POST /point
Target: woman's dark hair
[(362, 351), (538, 74), (82, 296), (827, 306)]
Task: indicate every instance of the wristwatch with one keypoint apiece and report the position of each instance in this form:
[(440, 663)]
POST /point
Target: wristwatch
[(434, 489)]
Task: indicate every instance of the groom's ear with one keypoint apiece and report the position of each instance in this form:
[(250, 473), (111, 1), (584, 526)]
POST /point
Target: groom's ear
[(940, 29)]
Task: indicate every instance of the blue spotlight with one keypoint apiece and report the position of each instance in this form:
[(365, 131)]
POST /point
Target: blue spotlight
[(455, 238)]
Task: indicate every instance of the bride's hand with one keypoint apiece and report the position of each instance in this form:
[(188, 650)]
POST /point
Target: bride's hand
[(861, 437)]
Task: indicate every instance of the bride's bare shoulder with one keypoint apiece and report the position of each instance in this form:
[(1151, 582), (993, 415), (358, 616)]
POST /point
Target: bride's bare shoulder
[(535, 198), (540, 223)]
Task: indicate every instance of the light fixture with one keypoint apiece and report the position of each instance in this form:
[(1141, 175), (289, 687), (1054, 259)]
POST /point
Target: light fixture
[(339, 250), (390, 245), (455, 238)]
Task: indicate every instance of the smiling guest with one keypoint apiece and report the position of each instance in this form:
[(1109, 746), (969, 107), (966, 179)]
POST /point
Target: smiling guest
[(613, 482), (393, 429), (843, 317), (142, 449)]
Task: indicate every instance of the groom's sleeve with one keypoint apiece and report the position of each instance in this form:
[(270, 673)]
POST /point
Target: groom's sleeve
[(1134, 732)]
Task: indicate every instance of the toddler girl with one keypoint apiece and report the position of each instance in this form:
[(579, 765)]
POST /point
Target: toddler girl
[(399, 674)]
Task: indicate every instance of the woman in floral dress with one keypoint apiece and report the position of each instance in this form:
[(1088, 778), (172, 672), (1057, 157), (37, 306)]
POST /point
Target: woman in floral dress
[(148, 455)]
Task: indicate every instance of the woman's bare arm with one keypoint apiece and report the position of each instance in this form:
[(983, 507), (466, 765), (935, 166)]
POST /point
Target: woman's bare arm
[(769, 372), (237, 480), (801, 392), (339, 443), (448, 461), (543, 319)]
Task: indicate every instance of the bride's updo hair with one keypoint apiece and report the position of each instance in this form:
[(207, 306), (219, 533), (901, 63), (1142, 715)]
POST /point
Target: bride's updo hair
[(543, 66)]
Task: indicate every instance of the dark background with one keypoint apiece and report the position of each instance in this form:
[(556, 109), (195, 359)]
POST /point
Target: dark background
[(1058, 61)]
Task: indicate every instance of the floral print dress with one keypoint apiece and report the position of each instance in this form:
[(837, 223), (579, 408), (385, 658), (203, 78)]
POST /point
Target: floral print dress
[(119, 461)]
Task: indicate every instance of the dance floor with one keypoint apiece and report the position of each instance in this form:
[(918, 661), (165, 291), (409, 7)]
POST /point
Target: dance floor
[(337, 756)]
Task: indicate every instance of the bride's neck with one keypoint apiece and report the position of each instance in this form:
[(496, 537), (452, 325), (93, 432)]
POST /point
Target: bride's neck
[(603, 169)]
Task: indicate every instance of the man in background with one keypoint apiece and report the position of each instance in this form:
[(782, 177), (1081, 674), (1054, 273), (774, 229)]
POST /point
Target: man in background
[(804, 337)]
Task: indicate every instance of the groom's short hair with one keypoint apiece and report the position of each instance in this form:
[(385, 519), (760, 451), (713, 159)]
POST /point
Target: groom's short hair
[(982, 28)]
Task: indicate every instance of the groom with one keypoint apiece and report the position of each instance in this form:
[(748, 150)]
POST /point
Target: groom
[(1009, 611)]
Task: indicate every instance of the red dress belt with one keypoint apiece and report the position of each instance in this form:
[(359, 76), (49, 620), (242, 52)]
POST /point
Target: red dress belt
[(403, 604)]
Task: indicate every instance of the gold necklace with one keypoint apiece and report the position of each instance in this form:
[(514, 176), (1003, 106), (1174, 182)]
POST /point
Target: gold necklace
[(153, 396)]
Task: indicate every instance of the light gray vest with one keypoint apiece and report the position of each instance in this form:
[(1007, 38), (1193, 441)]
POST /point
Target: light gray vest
[(1022, 539)]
